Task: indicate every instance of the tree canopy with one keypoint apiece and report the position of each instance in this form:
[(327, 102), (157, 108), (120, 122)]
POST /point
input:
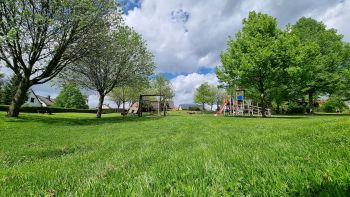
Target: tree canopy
[(251, 60), (40, 38), (120, 56), (275, 65), (205, 94), (319, 60), (71, 97)]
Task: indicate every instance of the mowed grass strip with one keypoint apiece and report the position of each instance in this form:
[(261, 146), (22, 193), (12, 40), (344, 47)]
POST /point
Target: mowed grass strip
[(179, 155)]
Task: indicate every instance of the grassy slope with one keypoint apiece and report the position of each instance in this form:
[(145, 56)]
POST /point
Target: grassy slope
[(177, 155)]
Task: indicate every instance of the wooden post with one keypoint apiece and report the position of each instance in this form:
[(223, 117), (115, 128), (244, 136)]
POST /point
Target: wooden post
[(140, 106), (164, 106)]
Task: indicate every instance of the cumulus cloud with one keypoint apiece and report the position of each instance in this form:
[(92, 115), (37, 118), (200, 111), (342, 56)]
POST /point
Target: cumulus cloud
[(337, 17), (186, 35), (185, 86)]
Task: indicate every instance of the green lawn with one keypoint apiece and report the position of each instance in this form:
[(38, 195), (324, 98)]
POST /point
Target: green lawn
[(180, 155)]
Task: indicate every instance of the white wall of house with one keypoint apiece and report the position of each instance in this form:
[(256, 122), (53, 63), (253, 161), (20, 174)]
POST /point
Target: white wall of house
[(32, 100)]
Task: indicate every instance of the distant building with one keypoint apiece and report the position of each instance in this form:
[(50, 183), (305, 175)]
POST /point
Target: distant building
[(35, 100), (106, 106), (188, 106)]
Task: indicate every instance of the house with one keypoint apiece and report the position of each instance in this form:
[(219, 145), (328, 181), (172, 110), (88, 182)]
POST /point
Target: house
[(106, 106), (35, 100)]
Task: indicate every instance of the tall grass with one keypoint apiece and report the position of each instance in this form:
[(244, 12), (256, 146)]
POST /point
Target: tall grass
[(179, 155)]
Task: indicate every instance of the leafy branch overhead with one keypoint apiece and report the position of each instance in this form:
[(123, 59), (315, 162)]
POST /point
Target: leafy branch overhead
[(38, 39)]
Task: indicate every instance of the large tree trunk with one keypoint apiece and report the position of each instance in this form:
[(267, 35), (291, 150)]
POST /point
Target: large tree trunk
[(99, 107), (304, 105), (311, 102), (278, 108), (203, 106), (19, 98), (123, 106)]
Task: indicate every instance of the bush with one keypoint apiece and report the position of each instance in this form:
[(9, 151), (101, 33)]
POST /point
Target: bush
[(194, 109), (333, 103), (56, 110), (295, 108)]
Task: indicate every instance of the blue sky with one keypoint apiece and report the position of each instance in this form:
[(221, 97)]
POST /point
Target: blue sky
[(187, 36), (130, 5)]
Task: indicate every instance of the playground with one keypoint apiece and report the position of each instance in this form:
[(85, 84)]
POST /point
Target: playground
[(240, 106), (177, 155)]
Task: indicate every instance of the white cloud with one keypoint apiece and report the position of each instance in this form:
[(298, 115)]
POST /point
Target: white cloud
[(338, 17), (185, 86), (185, 35)]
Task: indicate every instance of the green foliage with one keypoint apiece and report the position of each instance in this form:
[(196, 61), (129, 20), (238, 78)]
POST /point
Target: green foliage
[(295, 108), (194, 109), (343, 87), (71, 97), (129, 92), (319, 60), (9, 90), (205, 94), (333, 104), (119, 57), (2, 76), (253, 59), (180, 155), (40, 38), (160, 85), (281, 66), (55, 110)]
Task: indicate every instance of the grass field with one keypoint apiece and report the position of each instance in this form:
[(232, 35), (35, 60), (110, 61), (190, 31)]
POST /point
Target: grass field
[(180, 155)]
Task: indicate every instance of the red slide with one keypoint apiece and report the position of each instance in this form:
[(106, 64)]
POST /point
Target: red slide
[(222, 108)]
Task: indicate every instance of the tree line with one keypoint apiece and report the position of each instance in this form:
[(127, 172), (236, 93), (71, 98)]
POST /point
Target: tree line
[(294, 64), (83, 42)]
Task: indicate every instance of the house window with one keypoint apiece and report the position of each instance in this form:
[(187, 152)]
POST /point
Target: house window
[(32, 100)]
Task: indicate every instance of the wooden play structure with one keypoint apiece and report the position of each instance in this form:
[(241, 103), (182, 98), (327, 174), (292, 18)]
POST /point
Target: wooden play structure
[(240, 106), (150, 106), (153, 107)]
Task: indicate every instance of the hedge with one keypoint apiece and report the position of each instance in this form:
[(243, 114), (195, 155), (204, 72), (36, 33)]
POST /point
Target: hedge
[(56, 110)]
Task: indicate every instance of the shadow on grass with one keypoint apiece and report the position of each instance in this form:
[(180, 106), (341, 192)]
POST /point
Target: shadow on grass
[(270, 117), (326, 188), (59, 120)]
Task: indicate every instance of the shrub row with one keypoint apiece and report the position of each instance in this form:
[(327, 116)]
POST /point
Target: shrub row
[(56, 110)]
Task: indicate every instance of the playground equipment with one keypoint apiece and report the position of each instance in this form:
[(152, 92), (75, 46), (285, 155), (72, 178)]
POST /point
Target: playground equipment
[(134, 108), (161, 104), (144, 105), (240, 106)]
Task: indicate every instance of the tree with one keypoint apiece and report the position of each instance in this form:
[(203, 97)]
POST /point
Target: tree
[(160, 85), (120, 55), (214, 94), (220, 95), (71, 97), (251, 60), (39, 38), (343, 88), (2, 76), (204, 94), (319, 60), (9, 90), (128, 92)]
